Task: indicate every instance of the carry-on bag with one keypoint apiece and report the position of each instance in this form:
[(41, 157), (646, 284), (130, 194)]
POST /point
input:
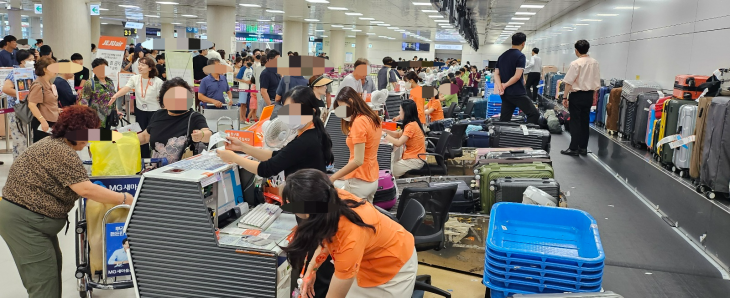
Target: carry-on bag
[(601, 105), (650, 127), (441, 125), (516, 136), (464, 201), (553, 123), (655, 136), (477, 139), (644, 105), (627, 117), (494, 171), (670, 120), (715, 169), (688, 86), (511, 189), (632, 88), (613, 109), (703, 109), (481, 152), (685, 128), (659, 107), (386, 194)]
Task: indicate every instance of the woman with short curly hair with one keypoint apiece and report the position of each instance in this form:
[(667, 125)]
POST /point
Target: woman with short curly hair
[(42, 187)]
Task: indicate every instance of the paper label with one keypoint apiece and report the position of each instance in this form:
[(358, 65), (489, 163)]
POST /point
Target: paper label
[(717, 73), (524, 130), (646, 109), (217, 138), (704, 92), (661, 94), (682, 142), (132, 127), (667, 139), (210, 180)]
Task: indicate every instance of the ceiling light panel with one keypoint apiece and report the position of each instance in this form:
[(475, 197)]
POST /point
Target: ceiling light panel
[(520, 19), (336, 8), (532, 6), (274, 11), (318, 1), (367, 19), (422, 3), (249, 5), (353, 13), (524, 13), (607, 14)]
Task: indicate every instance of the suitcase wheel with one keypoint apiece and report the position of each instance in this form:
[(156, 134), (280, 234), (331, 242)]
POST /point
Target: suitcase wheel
[(710, 195)]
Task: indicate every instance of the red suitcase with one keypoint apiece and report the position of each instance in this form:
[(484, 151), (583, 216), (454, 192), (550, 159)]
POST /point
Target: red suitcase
[(659, 107), (687, 86)]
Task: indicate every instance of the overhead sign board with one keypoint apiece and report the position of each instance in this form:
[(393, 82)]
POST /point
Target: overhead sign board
[(457, 47), (134, 25), (191, 30)]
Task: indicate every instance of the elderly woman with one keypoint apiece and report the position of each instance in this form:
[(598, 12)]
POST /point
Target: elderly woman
[(39, 195)]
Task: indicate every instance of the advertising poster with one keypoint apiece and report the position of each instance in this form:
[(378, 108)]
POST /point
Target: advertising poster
[(23, 79), (179, 64), (123, 79), (117, 247), (112, 49)]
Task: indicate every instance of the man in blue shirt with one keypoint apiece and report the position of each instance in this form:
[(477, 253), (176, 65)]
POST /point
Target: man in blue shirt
[(268, 84), (510, 84), (7, 55), (287, 83), (213, 86)]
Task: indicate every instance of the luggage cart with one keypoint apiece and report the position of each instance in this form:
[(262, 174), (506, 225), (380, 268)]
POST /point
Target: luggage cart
[(214, 116)]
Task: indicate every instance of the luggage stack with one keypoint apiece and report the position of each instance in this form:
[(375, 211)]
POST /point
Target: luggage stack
[(495, 170), (628, 104), (529, 252), (715, 166)]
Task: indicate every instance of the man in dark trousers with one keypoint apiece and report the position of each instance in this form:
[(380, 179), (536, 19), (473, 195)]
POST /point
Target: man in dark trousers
[(533, 70), (581, 81), (199, 62), (510, 84)]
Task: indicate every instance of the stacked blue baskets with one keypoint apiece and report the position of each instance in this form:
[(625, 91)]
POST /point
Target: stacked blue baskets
[(536, 249), (494, 105)]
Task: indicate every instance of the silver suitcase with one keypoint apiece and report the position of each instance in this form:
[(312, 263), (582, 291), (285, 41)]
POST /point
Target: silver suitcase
[(685, 128)]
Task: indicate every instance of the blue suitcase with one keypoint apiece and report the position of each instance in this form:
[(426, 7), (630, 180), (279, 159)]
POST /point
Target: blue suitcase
[(478, 139), (601, 106)]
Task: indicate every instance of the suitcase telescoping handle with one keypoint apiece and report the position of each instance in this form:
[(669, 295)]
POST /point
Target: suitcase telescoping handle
[(517, 151)]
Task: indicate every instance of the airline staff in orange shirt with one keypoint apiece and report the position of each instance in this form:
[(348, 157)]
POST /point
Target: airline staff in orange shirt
[(363, 129), (416, 91), (374, 256), (434, 109), (412, 136)]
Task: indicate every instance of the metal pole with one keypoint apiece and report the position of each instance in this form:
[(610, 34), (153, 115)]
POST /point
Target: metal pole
[(8, 148)]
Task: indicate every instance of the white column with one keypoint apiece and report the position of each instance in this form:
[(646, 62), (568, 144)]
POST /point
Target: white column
[(292, 37), (168, 34), (95, 29), (14, 20), (361, 47), (35, 28), (432, 51), (66, 34), (141, 35), (223, 19), (337, 49), (305, 40)]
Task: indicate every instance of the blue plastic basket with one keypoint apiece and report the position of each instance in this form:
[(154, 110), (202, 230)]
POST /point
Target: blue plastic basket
[(538, 280), (545, 234), (532, 287), (537, 270), (500, 257)]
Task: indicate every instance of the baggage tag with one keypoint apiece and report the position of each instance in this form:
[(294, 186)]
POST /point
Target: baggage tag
[(682, 142), (703, 93), (661, 94), (524, 130), (667, 139)]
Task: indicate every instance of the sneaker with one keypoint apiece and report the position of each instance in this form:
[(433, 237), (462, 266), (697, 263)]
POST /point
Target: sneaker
[(570, 152)]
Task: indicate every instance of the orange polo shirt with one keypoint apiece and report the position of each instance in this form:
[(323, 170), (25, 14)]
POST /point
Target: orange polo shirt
[(363, 130), (438, 111), (374, 257), (416, 143), (417, 96)]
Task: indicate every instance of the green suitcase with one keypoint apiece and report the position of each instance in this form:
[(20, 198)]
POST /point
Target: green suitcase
[(492, 171)]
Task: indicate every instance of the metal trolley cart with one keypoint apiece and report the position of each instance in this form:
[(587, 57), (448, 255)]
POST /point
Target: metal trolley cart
[(179, 246), (214, 116)]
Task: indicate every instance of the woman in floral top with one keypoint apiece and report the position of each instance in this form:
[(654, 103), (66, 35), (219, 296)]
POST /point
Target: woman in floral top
[(98, 95), (20, 140)]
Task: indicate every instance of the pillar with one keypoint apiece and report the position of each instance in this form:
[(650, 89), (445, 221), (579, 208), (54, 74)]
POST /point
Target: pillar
[(141, 34), (95, 29), (305, 40), (167, 32), (223, 19), (35, 27), (292, 37), (66, 34), (361, 47), (14, 20), (337, 49)]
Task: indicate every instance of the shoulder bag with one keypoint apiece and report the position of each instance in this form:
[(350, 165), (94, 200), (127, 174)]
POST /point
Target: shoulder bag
[(22, 111)]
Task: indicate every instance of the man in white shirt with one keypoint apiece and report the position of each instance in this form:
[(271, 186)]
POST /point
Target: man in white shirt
[(533, 70), (355, 79), (581, 81), (212, 53)]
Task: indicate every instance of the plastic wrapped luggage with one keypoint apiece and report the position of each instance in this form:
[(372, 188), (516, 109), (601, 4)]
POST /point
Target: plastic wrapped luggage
[(386, 194), (477, 139), (687, 86), (650, 127), (670, 120), (511, 189), (644, 105), (494, 171), (553, 123), (715, 169), (519, 136), (632, 88), (685, 128), (616, 82), (464, 200), (613, 109), (703, 109)]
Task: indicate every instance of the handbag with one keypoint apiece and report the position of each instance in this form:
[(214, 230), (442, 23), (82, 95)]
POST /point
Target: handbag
[(188, 152), (388, 85), (22, 111)]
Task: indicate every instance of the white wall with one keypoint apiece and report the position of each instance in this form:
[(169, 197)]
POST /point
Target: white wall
[(655, 41), (381, 48), (486, 52)]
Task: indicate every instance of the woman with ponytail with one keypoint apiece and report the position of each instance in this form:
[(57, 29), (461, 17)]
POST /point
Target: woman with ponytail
[(311, 149), (412, 137), (373, 255)]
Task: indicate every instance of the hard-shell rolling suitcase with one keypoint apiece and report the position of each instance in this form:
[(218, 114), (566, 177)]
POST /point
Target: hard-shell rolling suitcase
[(386, 194), (511, 189), (632, 88), (703, 109), (670, 120), (464, 201), (627, 117), (643, 107), (516, 156), (687, 86), (493, 171), (478, 139), (715, 169), (685, 128), (519, 136), (650, 127), (659, 107), (601, 105), (655, 136), (613, 110)]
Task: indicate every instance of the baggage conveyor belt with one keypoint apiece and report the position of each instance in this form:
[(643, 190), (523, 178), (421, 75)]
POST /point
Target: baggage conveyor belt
[(645, 257)]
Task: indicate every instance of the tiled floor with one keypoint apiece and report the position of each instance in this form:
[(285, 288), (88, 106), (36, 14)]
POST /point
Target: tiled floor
[(460, 285)]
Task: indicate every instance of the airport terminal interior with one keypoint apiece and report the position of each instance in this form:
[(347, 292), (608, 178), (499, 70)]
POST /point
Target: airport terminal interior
[(376, 148)]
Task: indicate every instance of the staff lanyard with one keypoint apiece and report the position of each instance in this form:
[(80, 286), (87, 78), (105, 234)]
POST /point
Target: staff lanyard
[(143, 91)]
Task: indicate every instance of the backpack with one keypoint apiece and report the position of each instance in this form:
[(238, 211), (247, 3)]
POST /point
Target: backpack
[(277, 106), (22, 111)]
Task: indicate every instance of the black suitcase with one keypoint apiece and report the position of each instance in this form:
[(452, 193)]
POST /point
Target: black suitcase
[(715, 168), (516, 156), (511, 189), (464, 199), (645, 100), (514, 136)]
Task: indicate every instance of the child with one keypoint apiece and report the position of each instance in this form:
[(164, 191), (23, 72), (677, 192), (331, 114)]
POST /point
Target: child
[(252, 100)]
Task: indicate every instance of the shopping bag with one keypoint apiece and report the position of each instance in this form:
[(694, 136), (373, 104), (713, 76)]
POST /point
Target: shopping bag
[(119, 158)]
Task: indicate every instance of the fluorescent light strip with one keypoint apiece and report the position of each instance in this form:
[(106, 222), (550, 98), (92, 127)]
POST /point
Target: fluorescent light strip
[(189, 16), (318, 30), (436, 16), (531, 6), (353, 13), (522, 13), (249, 5), (393, 28), (590, 20), (128, 6), (356, 30), (337, 26), (429, 10), (151, 16), (336, 8), (520, 19), (376, 22), (370, 33), (318, 1), (351, 36), (384, 25), (274, 11), (323, 36), (607, 14), (103, 9), (367, 19), (200, 22), (422, 3), (581, 24), (263, 20), (311, 20), (515, 23), (167, 2)]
